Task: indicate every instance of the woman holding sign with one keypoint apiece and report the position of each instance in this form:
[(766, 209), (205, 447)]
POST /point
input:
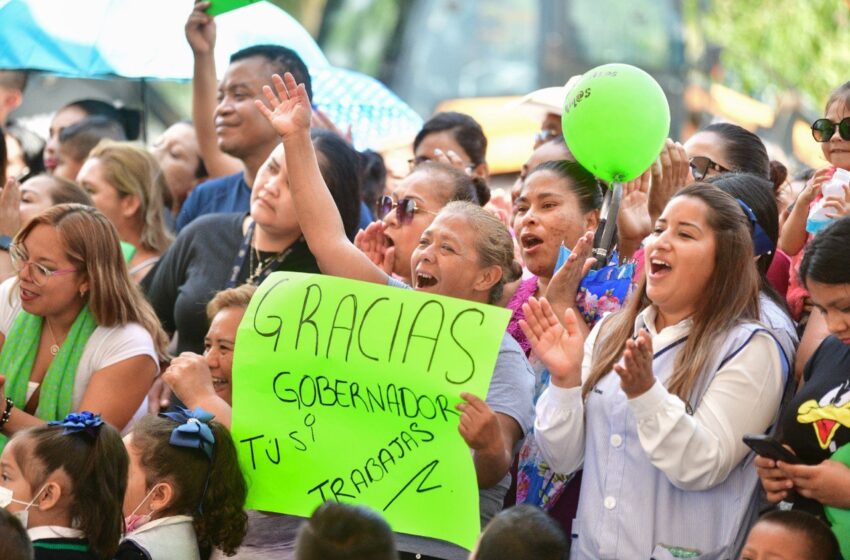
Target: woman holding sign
[(662, 392), (465, 253)]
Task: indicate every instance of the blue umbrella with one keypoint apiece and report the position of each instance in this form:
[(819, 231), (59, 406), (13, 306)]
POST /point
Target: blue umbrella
[(144, 39), (132, 38)]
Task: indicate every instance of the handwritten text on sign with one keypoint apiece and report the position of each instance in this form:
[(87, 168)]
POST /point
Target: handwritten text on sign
[(346, 391)]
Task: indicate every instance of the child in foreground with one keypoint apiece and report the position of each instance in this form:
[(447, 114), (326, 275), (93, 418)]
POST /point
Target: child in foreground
[(185, 492), (790, 535), (65, 482)]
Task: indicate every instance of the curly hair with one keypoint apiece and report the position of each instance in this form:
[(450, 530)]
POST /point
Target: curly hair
[(219, 518)]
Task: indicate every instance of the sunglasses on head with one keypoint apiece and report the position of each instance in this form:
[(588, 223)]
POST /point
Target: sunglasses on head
[(405, 208), (824, 129), (701, 164)]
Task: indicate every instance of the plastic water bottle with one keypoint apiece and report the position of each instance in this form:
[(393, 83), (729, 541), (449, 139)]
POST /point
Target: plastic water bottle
[(818, 218)]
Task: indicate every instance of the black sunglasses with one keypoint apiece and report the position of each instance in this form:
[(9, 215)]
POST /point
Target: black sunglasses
[(701, 164), (405, 209), (823, 129)]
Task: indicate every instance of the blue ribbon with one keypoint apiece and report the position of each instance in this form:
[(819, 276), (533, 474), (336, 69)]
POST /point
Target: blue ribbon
[(76, 422), (194, 431), (762, 245)]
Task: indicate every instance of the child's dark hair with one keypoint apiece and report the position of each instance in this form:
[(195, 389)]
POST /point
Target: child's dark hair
[(757, 193), (827, 255), (465, 130), (523, 532), (822, 542), (339, 531), (96, 463), (14, 541), (219, 520), (80, 138), (582, 182)]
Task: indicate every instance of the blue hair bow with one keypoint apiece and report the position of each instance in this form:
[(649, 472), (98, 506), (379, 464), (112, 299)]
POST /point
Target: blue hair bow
[(76, 422), (762, 245), (194, 430)]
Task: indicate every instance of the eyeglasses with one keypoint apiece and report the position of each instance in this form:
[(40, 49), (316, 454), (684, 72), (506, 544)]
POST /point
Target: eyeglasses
[(405, 209), (39, 273), (823, 129), (701, 164)]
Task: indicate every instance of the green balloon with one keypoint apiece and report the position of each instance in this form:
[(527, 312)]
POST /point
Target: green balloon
[(615, 121)]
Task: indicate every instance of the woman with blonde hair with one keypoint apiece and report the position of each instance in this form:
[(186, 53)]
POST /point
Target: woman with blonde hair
[(654, 404), (126, 184), (466, 253), (75, 331)]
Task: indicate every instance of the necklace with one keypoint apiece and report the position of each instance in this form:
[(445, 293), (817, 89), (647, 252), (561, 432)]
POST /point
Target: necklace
[(54, 348), (257, 274)]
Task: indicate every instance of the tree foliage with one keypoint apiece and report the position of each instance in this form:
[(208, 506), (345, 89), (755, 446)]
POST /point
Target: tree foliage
[(777, 44)]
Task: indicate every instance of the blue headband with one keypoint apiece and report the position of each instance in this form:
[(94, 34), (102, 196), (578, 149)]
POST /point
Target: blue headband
[(762, 244), (193, 431), (77, 422)]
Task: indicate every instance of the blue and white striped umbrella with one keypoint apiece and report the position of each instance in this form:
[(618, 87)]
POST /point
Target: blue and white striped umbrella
[(144, 39)]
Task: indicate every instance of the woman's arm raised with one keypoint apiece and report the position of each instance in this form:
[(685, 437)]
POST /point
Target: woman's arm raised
[(315, 208)]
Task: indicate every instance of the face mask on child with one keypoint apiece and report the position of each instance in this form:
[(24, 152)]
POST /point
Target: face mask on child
[(23, 515), (134, 520)]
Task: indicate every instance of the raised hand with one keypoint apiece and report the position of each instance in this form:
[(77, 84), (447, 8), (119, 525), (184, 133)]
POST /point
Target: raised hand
[(636, 377), (373, 243), (669, 174), (290, 111), (200, 29), (559, 347), (633, 221), (563, 287)]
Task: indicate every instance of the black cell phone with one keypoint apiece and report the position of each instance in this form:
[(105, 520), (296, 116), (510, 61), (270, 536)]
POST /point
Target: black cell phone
[(768, 447)]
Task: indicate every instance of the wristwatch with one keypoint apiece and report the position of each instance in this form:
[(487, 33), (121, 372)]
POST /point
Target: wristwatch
[(5, 242)]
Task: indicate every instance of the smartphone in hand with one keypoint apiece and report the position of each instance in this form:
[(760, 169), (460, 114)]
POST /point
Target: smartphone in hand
[(768, 447)]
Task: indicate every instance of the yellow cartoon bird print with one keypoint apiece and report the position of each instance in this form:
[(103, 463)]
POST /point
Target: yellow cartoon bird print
[(828, 414)]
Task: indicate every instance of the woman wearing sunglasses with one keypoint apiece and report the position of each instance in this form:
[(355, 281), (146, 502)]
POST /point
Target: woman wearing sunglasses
[(466, 253), (226, 250), (75, 333), (414, 203), (722, 148)]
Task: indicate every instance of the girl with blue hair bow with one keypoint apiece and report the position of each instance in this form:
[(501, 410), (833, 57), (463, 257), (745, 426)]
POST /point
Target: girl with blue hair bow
[(185, 492)]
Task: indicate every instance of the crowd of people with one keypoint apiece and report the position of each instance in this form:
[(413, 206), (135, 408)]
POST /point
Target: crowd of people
[(691, 404)]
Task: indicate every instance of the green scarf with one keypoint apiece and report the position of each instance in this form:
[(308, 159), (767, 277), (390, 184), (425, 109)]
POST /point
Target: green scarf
[(57, 388)]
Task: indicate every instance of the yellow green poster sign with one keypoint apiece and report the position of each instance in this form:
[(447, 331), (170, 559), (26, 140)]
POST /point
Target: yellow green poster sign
[(346, 391)]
